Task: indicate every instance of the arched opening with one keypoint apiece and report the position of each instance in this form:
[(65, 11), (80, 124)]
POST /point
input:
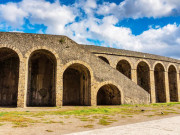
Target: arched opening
[(9, 77), (124, 67), (159, 78), (172, 76), (108, 95), (77, 86), (41, 79), (104, 59), (143, 76)]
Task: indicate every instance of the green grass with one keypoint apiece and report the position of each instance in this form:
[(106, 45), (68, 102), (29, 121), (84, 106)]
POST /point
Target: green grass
[(165, 104), (19, 124), (61, 122), (104, 122), (1, 124), (50, 122), (86, 119), (101, 113), (149, 115), (88, 126), (127, 109)]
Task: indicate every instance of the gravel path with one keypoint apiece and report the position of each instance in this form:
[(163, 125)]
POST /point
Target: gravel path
[(167, 126)]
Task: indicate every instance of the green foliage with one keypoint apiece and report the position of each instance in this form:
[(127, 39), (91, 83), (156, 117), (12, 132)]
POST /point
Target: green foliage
[(62, 40)]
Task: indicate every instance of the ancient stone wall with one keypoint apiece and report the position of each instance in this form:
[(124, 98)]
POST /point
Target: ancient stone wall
[(54, 71), (158, 75)]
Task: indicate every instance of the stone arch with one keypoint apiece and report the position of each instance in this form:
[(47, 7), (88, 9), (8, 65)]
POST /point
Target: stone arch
[(101, 84), (104, 59), (172, 77), (81, 63), (28, 54), (14, 49), (143, 75), (109, 94), (172, 64), (42, 68), (124, 67), (9, 75), (162, 64), (77, 85), (159, 78), (143, 60)]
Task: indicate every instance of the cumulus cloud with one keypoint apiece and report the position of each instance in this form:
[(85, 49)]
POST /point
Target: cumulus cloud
[(163, 41), (61, 19), (52, 15), (12, 14), (141, 8)]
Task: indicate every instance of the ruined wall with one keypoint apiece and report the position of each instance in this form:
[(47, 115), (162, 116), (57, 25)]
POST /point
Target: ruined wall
[(158, 82), (89, 75)]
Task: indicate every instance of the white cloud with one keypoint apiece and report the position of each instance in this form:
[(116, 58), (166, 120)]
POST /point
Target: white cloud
[(52, 15), (60, 19), (12, 14), (141, 8), (162, 41)]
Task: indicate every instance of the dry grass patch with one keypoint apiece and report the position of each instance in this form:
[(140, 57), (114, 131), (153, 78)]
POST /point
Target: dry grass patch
[(88, 126), (49, 130)]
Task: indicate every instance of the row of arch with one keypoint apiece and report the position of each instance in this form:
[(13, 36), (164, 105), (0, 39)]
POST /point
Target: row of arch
[(41, 85), (143, 78)]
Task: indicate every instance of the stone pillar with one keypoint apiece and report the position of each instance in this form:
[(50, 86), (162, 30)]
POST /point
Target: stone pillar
[(21, 98), (134, 75), (167, 87), (113, 64), (59, 85), (94, 87), (152, 87), (178, 87)]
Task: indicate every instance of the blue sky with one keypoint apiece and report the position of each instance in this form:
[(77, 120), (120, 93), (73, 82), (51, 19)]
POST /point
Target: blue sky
[(151, 26)]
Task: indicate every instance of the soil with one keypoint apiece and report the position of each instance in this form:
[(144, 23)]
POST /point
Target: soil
[(64, 124)]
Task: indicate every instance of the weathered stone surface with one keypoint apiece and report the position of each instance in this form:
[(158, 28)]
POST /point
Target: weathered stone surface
[(91, 70)]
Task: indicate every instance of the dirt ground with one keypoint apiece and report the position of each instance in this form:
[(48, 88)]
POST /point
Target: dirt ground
[(55, 121)]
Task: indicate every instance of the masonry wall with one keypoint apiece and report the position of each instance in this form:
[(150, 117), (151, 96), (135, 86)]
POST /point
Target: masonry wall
[(68, 53), (169, 88)]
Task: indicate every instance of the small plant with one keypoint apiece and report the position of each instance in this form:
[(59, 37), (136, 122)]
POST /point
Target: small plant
[(123, 116), (104, 122), (62, 40), (67, 117), (49, 130), (85, 119), (61, 122), (50, 122), (19, 124), (88, 126)]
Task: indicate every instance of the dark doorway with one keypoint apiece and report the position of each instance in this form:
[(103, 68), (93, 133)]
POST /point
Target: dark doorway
[(108, 95), (172, 75), (41, 79), (124, 67), (77, 86), (159, 78), (9, 77), (143, 76)]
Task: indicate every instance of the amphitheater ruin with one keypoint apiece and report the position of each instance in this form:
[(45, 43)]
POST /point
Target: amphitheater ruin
[(52, 70)]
